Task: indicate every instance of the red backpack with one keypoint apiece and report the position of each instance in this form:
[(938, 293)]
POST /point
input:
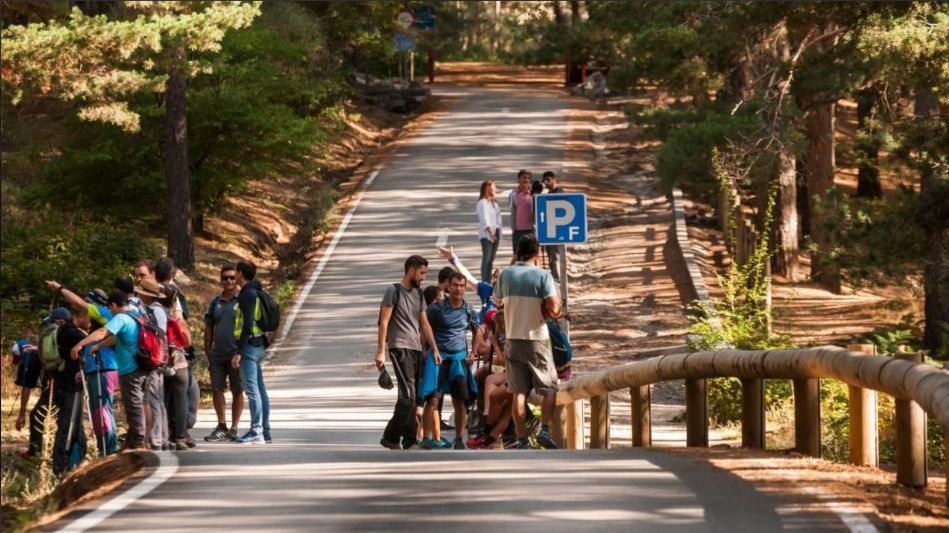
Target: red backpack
[(152, 350)]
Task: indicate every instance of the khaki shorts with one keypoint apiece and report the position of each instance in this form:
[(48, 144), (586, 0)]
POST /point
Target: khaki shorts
[(530, 365)]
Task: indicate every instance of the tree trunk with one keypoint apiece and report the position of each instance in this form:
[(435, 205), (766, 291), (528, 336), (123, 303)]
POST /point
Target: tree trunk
[(180, 241), (819, 169), (868, 174), (936, 269), (578, 12), (559, 16), (786, 232)]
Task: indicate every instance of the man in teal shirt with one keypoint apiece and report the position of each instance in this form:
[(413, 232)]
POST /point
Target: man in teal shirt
[(122, 332)]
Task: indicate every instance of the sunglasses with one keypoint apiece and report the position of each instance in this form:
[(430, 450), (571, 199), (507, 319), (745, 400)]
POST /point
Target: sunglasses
[(228, 278)]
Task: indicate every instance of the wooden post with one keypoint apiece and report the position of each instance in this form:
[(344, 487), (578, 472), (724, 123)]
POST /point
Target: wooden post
[(752, 414), (910, 437), (807, 416), (600, 421), (696, 413), (640, 403), (864, 444), (575, 438)]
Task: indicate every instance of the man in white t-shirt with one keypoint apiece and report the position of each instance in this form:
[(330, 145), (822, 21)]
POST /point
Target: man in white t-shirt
[(528, 295)]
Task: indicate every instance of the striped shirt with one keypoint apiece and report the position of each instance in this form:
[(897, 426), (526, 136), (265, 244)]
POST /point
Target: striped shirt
[(523, 288)]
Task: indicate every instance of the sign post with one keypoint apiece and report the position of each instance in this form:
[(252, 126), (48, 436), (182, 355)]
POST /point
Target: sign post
[(561, 219)]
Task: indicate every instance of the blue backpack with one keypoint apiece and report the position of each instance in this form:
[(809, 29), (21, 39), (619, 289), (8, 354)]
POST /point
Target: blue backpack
[(560, 347)]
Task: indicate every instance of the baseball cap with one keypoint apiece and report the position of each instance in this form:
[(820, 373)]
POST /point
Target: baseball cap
[(60, 313)]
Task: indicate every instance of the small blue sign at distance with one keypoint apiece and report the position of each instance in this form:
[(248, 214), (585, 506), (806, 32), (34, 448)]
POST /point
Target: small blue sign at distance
[(561, 218), (404, 42), (424, 17)]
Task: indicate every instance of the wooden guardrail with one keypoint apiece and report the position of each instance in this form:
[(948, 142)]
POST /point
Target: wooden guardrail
[(918, 389)]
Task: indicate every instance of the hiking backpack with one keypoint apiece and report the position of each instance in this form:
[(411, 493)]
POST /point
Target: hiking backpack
[(269, 312), (561, 349), (49, 347), (152, 351), (395, 301)]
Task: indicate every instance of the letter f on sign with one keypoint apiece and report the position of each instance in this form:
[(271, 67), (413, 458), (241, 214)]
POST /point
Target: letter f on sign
[(559, 213)]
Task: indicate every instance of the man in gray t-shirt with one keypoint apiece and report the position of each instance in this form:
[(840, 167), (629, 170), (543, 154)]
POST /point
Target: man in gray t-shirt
[(220, 344), (402, 318)]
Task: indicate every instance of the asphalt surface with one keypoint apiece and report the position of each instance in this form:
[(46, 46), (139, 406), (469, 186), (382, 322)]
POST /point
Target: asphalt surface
[(326, 469)]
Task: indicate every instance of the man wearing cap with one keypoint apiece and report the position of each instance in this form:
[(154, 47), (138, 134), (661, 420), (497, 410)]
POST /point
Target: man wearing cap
[(122, 333), (69, 447)]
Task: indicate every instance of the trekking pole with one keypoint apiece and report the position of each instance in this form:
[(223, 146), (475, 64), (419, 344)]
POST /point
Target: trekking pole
[(85, 390), (72, 425), (98, 360)]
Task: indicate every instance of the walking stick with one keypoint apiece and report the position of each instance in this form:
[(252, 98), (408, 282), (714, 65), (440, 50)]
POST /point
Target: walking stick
[(85, 390), (98, 360), (72, 424)]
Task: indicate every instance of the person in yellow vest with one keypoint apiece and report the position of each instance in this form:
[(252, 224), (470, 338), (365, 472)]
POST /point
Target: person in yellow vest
[(250, 354)]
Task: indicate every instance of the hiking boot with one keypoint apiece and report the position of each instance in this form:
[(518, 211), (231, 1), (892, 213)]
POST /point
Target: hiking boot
[(268, 438), (219, 434), (428, 444), (459, 444), (390, 445), (445, 443), (181, 445), (545, 440), (251, 437), (189, 442), (157, 447), (232, 433)]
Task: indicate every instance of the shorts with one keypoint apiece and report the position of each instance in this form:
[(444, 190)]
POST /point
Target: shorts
[(222, 372), (530, 365)]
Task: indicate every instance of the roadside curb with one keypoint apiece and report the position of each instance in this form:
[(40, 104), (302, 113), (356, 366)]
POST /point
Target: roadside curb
[(685, 247)]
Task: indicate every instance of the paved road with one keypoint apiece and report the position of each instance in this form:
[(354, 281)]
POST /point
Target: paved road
[(326, 470)]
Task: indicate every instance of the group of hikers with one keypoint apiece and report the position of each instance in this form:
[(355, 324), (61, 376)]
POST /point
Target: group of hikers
[(424, 334), (136, 340)]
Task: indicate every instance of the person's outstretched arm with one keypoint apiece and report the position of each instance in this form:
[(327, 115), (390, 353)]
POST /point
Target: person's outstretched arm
[(449, 255)]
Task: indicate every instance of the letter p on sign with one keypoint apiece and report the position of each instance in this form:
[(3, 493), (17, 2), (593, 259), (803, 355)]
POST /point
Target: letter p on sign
[(559, 214)]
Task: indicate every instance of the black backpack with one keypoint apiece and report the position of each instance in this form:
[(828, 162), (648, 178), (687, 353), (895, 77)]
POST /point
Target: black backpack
[(269, 312)]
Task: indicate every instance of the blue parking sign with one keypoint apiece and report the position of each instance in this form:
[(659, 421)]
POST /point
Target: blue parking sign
[(561, 218)]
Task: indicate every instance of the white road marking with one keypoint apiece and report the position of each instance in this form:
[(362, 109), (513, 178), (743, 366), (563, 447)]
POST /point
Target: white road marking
[(167, 466), (322, 264), (851, 517)]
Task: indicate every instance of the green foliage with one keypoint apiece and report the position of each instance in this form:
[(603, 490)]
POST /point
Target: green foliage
[(741, 318), (263, 111), (101, 64), (685, 157), (875, 241), (57, 245)]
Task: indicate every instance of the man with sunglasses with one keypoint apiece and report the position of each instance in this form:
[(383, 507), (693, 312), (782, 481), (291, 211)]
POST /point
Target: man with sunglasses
[(220, 345)]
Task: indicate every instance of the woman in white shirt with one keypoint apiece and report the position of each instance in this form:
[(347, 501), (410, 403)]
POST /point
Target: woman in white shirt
[(489, 227)]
